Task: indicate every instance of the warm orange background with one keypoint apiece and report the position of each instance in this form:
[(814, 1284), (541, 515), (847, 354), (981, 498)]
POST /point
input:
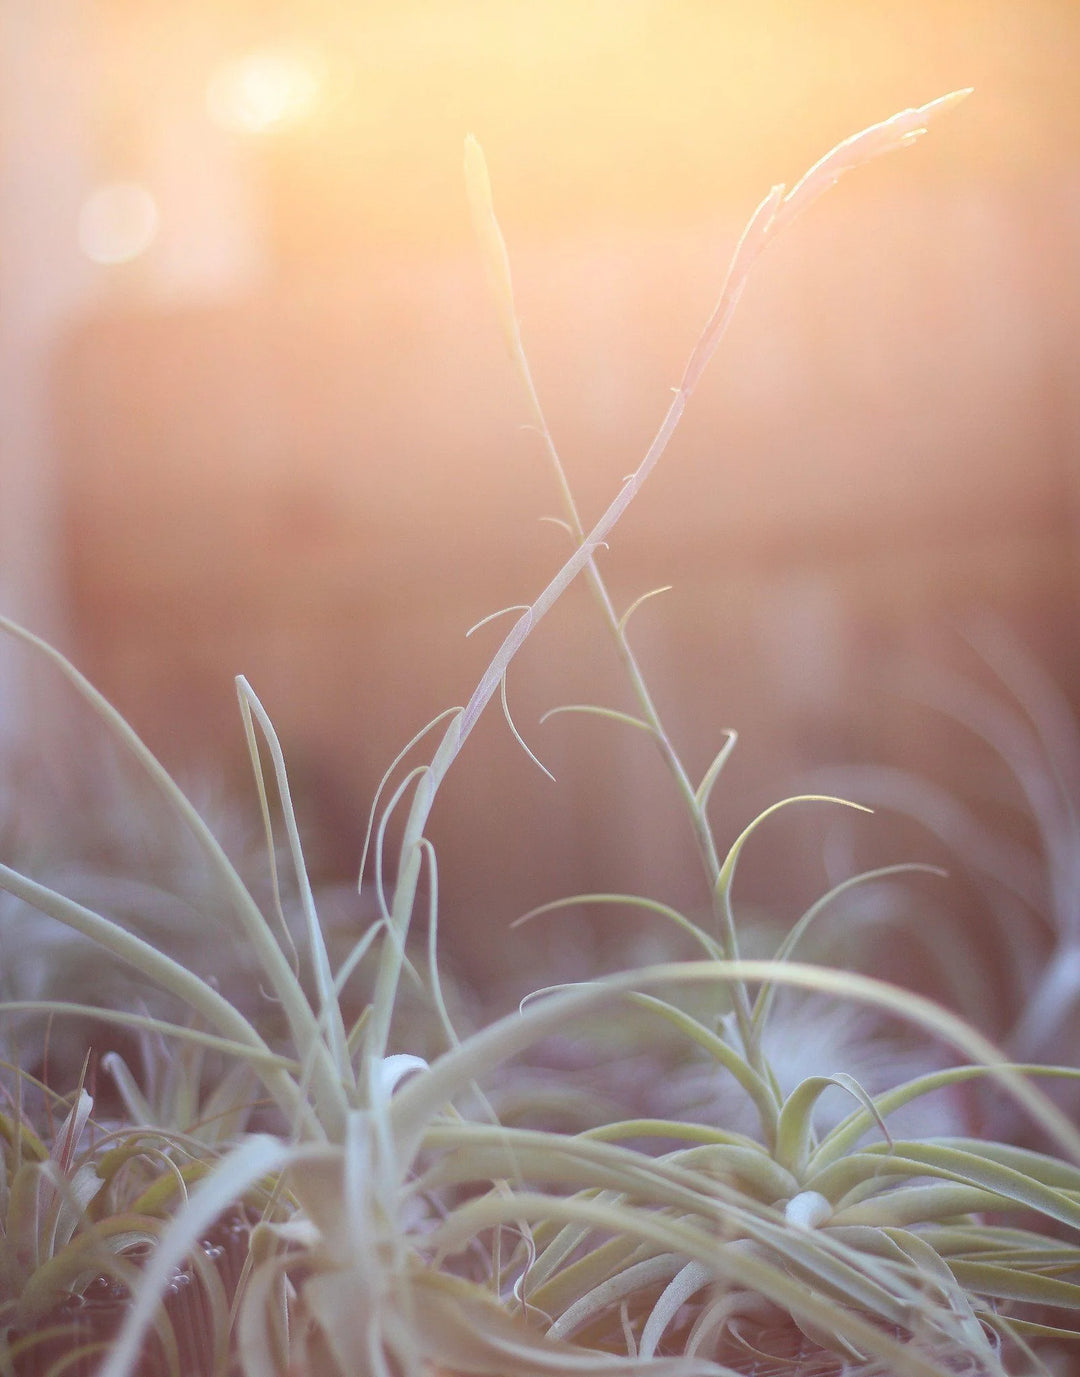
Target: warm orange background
[(284, 439)]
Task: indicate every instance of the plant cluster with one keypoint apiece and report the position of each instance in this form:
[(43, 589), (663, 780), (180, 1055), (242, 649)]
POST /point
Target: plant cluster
[(395, 1215)]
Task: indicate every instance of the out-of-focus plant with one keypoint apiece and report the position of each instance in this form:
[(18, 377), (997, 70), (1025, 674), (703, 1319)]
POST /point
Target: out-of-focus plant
[(1017, 838), (99, 838)]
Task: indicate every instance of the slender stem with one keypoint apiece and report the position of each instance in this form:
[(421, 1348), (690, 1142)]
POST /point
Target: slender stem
[(703, 836), (461, 725), (774, 212), (392, 956)]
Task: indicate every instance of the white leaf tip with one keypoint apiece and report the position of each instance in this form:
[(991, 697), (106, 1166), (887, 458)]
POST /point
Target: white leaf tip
[(807, 1210)]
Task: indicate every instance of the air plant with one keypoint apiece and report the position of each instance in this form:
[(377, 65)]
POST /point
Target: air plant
[(80, 1209), (399, 1226)]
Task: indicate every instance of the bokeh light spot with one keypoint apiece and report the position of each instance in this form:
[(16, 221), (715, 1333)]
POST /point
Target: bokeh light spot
[(117, 222), (262, 92)]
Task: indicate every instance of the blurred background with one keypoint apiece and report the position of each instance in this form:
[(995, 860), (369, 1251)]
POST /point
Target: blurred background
[(256, 416)]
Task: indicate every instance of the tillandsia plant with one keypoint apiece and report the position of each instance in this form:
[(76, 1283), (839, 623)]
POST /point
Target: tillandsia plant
[(397, 1227), (80, 1208)]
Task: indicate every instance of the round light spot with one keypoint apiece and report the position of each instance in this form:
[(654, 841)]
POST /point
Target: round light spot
[(117, 222), (261, 92)]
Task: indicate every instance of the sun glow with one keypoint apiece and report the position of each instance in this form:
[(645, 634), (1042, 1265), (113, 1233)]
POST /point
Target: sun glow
[(262, 92)]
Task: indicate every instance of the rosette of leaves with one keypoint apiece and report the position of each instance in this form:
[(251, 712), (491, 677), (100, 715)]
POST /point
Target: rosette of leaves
[(79, 1210), (921, 1255), (425, 1239)]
